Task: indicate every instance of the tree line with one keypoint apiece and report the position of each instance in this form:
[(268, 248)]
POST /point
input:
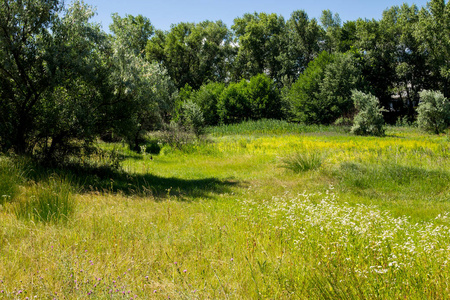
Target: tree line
[(64, 81)]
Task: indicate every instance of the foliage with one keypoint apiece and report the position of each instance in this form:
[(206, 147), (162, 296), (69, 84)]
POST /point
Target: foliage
[(207, 98), (174, 135), (433, 112), (193, 54), (145, 87), (260, 40), (322, 92), (192, 117), (264, 98), (133, 32), (255, 99), (55, 95), (303, 37), (369, 119), (234, 105), (304, 92)]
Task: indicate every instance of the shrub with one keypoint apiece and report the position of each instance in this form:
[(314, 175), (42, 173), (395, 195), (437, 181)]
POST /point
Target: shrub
[(250, 100), (304, 92), (174, 135), (234, 106), (433, 112), (192, 118), (264, 97), (323, 92), (207, 98), (369, 120)]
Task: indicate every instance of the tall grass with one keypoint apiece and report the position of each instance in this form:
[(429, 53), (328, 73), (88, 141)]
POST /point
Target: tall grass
[(11, 177), (302, 161), (49, 201), (270, 127)]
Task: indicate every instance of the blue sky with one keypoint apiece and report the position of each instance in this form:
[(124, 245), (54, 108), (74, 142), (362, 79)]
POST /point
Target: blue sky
[(166, 12)]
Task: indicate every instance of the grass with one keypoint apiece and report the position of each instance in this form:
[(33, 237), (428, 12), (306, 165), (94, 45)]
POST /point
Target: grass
[(223, 219), (303, 161), (50, 201)]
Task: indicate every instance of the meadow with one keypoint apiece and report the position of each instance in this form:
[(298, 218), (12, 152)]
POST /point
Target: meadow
[(260, 210)]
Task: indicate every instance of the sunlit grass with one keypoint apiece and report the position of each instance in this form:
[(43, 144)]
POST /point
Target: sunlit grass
[(221, 219)]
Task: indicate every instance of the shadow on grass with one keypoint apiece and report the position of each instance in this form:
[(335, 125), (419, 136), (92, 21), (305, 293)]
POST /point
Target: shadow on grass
[(107, 180)]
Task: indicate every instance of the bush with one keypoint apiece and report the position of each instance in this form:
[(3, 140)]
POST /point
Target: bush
[(304, 92), (174, 135), (369, 120), (207, 98), (234, 106), (433, 112), (264, 97), (250, 100), (192, 118), (323, 92)]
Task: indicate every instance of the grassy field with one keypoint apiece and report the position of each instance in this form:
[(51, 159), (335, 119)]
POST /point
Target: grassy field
[(264, 210)]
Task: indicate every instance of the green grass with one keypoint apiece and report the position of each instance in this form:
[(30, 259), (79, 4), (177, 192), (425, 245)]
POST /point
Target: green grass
[(303, 161), (223, 219), (49, 201)]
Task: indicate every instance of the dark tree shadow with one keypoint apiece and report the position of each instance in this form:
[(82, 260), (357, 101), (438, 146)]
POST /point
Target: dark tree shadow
[(108, 180)]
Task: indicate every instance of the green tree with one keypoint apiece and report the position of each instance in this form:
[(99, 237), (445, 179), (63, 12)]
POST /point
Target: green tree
[(303, 39), (234, 106), (340, 76), (322, 93), (260, 40), (193, 53), (144, 88), (133, 32), (332, 26), (53, 82), (305, 91), (264, 98), (433, 32)]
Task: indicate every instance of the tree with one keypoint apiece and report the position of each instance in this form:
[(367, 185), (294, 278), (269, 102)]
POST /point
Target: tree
[(133, 32), (260, 40), (144, 88), (53, 89), (332, 26), (234, 106), (264, 98), (433, 32), (341, 76), (322, 93), (303, 39), (433, 112), (193, 53)]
